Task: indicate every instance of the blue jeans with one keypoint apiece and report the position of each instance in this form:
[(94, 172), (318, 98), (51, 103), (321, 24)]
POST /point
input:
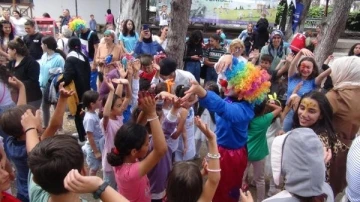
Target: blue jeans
[(211, 74), (194, 68), (288, 121)]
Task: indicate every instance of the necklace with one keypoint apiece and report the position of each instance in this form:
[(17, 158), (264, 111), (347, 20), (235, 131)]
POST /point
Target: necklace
[(111, 50)]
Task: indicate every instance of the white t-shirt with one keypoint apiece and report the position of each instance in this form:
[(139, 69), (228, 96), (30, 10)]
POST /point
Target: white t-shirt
[(62, 44), (164, 17), (19, 25), (5, 95)]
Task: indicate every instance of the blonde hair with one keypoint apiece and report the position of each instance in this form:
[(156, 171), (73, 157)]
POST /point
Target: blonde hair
[(234, 43)]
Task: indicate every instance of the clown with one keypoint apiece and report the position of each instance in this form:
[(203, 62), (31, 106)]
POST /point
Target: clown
[(244, 85), (89, 39)]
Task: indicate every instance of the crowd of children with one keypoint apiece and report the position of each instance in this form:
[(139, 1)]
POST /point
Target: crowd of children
[(142, 120)]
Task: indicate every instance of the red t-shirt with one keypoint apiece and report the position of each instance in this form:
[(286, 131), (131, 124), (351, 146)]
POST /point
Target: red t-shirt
[(9, 198), (147, 76)]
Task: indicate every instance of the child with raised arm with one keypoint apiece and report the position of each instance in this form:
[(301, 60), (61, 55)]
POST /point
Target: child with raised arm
[(131, 145), (244, 85), (257, 144), (185, 182), (47, 180), (91, 122), (14, 143), (112, 121), (158, 175)]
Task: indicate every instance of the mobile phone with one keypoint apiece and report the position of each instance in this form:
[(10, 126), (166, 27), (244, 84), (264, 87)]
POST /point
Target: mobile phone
[(145, 27)]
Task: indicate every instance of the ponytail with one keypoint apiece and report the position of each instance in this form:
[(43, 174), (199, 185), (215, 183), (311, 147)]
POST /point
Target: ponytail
[(130, 136), (114, 158)]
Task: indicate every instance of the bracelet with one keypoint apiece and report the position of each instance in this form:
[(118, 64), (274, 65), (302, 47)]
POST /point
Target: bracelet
[(214, 170), (152, 119), (27, 130), (213, 156)]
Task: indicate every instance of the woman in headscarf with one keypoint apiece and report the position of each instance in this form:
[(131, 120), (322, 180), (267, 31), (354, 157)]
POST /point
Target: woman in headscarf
[(276, 48), (345, 74)]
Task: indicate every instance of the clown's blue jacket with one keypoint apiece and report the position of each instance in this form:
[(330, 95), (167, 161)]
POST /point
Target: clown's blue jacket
[(232, 119)]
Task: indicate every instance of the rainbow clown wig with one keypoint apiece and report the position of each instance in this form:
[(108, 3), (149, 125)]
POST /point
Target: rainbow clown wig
[(245, 79), (77, 24)]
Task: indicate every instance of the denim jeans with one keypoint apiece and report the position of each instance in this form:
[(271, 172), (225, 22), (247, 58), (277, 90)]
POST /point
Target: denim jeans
[(211, 74), (194, 68)]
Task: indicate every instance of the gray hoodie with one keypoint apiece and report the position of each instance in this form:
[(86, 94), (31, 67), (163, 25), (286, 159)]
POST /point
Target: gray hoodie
[(302, 165)]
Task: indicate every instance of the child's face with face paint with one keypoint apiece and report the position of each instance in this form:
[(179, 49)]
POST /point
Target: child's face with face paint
[(308, 112)]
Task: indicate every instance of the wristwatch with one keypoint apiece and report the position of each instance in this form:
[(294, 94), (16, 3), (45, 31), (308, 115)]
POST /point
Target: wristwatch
[(100, 190)]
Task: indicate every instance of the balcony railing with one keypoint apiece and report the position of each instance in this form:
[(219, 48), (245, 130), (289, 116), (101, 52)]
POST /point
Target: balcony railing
[(24, 8)]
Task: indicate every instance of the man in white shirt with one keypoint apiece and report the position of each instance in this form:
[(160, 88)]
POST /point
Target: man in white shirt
[(168, 71), (164, 16)]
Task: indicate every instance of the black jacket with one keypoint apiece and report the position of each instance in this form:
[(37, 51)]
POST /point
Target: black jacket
[(191, 51), (77, 68), (28, 72)]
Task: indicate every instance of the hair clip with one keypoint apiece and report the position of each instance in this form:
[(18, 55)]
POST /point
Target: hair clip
[(115, 151)]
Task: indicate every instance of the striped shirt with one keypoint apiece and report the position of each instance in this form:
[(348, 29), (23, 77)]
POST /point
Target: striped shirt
[(214, 54), (353, 172)]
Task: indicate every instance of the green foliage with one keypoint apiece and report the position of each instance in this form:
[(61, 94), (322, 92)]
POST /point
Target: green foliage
[(353, 22), (318, 11)]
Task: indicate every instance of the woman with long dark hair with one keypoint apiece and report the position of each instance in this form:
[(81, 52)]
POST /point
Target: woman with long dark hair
[(315, 112), (77, 71), (26, 69), (6, 35), (51, 63), (128, 37), (194, 53)]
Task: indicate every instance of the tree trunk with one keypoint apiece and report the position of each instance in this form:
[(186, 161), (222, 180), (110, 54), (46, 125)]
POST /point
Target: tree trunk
[(331, 30), (180, 12), (300, 27), (130, 9)]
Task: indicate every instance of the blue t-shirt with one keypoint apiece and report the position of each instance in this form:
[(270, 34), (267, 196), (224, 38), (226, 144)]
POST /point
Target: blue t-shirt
[(308, 85), (232, 119), (16, 152), (92, 124), (129, 41)]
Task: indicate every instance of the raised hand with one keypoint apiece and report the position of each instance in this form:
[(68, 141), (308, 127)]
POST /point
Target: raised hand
[(13, 81), (176, 103), (307, 52), (28, 120), (136, 65), (109, 84), (194, 89), (120, 81), (224, 63), (290, 57), (210, 135), (147, 103), (121, 70), (165, 95), (63, 92), (75, 182)]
